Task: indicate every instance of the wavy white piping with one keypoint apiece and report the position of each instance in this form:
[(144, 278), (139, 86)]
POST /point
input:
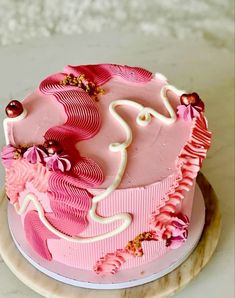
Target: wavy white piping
[(10, 120), (32, 198), (143, 118)]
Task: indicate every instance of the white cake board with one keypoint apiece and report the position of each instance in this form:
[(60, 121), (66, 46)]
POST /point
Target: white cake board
[(123, 279)]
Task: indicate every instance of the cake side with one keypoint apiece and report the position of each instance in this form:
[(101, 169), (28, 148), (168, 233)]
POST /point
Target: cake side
[(71, 197)]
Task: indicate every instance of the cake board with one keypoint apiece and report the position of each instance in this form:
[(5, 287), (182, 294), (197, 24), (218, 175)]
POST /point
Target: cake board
[(162, 287)]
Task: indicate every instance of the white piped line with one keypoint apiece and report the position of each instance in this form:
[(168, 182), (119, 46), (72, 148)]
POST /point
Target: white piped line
[(6, 121), (160, 76), (143, 119)]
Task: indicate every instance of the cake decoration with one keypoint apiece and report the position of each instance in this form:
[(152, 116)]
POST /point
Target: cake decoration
[(57, 162), (165, 224), (178, 230), (34, 154), (15, 112), (135, 247), (191, 106), (52, 147), (82, 82), (111, 262), (57, 190), (14, 109), (8, 154)]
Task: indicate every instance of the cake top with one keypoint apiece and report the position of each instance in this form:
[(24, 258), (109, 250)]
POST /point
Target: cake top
[(96, 129), (80, 116)]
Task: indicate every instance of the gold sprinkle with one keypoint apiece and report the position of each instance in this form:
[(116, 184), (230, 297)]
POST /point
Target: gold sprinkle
[(82, 82)]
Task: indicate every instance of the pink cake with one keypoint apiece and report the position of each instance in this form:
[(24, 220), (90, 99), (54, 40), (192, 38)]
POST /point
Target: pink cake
[(101, 162)]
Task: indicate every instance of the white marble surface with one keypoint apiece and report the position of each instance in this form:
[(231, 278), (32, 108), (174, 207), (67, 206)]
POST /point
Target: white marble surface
[(189, 65)]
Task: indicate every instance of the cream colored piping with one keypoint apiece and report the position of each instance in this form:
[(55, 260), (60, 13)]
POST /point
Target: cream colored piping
[(143, 118)]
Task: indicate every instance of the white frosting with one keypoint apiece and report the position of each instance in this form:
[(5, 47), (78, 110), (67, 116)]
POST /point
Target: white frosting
[(6, 121), (160, 76), (143, 118)]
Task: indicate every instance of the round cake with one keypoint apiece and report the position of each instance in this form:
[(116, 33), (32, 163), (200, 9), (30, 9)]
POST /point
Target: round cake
[(101, 163)]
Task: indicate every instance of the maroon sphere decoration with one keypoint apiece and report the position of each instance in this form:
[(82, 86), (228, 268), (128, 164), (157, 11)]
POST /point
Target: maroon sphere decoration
[(190, 99), (14, 109), (52, 147)]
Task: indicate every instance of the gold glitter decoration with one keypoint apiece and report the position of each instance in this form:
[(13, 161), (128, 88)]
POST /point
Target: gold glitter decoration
[(20, 151), (82, 82), (135, 246)]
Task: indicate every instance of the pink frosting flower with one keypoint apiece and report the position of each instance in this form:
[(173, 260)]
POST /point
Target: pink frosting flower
[(57, 162), (34, 155), (8, 155), (179, 231)]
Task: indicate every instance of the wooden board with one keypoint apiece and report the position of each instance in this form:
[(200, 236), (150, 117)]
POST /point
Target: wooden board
[(163, 287)]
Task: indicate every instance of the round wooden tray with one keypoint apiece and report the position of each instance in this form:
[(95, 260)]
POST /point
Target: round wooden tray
[(163, 287)]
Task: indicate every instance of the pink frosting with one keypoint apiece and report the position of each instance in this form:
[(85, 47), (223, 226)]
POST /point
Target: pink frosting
[(178, 231), (57, 162), (111, 262), (187, 112), (21, 172), (68, 199), (34, 154), (37, 234), (8, 155), (164, 222)]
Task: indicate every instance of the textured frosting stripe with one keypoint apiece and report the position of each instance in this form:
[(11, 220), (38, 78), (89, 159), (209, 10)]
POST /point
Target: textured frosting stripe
[(37, 234), (101, 73), (69, 203), (83, 122), (188, 164), (83, 117)]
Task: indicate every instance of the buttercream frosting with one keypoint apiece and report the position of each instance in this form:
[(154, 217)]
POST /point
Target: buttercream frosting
[(90, 190)]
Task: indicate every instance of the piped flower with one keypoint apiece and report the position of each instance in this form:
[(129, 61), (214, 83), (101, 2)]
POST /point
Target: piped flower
[(34, 155), (191, 106), (57, 162), (8, 155)]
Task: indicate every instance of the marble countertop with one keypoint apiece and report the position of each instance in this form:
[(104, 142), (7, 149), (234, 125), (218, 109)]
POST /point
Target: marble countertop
[(197, 66)]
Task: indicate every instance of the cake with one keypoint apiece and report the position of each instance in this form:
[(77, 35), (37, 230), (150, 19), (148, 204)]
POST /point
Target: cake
[(101, 164)]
